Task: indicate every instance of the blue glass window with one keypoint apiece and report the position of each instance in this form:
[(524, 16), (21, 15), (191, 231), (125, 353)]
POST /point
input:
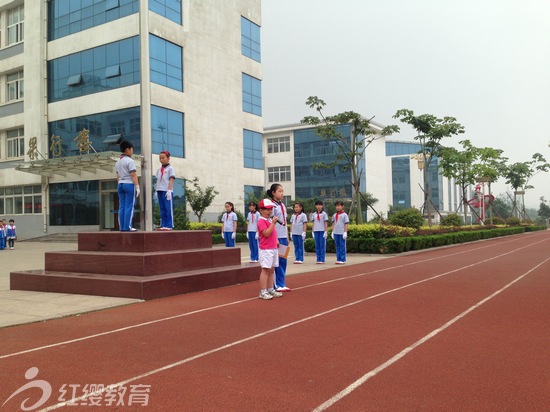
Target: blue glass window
[(74, 203), (171, 9), (253, 154), (252, 95), (166, 63), (102, 127), (401, 182), (402, 148), (66, 17), (94, 70), (167, 131), (312, 181), (250, 40)]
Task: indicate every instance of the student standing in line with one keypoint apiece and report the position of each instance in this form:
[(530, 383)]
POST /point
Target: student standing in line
[(2, 235), (340, 221), (269, 255), (128, 186), (298, 231), (320, 229), (11, 234), (229, 220), (276, 193), (252, 231), (165, 183)]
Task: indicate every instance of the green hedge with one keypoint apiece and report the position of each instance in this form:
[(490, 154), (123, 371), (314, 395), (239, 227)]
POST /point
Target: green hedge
[(404, 241), (405, 244)]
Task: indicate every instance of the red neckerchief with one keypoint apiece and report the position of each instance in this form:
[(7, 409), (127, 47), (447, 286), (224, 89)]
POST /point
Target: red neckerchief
[(162, 169), (227, 217), (253, 213), (282, 211), (319, 216), (338, 213)]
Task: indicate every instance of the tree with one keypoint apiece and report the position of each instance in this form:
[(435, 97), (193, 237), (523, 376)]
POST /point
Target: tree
[(469, 165), (431, 130), (518, 176), (503, 205), (544, 209), (198, 198), (350, 150)]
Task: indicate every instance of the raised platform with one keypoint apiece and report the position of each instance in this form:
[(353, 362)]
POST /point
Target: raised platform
[(142, 265)]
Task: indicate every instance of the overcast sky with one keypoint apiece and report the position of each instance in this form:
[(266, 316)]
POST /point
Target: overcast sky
[(485, 62)]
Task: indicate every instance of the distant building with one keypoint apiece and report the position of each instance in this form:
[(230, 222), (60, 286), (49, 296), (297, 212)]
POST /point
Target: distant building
[(182, 76), (389, 171)]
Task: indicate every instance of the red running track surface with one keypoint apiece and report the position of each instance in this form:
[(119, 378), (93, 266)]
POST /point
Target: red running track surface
[(463, 328)]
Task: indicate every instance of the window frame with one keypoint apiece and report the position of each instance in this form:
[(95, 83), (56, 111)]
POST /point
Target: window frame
[(278, 144), (15, 144), (15, 26), (19, 86), (279, 174)]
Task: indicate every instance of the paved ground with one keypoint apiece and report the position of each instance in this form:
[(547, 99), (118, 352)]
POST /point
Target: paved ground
[(18, 307)]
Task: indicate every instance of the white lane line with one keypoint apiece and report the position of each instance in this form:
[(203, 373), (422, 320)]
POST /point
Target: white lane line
[(261, 334), (138, 325), (407, 350)]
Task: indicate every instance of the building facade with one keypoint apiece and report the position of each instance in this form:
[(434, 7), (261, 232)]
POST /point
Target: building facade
[(77, 77), (294, 152), (390, 171)]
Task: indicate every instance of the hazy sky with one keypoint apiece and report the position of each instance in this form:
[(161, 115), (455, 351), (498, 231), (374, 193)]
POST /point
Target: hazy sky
[(485, 62)]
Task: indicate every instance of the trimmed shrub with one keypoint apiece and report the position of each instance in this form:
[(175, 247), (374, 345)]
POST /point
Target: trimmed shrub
[(451, 220), (407, 218), (513, 221)]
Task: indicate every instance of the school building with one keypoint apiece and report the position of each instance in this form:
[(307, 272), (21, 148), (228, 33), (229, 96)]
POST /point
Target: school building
[(390, 171), (79, 76)]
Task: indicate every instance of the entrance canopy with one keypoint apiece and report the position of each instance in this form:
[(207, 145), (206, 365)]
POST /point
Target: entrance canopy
[(74, 165)]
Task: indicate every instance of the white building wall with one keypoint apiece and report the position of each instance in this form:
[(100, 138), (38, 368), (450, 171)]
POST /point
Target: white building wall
[(211, 102), (280, 159)]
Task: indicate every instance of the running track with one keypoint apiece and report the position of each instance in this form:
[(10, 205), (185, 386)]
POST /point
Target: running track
[(463, 328)]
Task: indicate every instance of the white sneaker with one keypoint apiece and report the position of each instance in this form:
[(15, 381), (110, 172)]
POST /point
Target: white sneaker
[(274, 293), (265, 296)]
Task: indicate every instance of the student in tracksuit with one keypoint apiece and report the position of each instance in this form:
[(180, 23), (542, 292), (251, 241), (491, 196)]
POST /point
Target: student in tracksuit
[(276, 193), (298, 230), (252, 231), (165, 183), (2, 235), (128, 186), (320, 228), (11, 234), (340, 221)]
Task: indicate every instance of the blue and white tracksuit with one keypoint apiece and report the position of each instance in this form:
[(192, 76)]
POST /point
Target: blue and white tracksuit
[(339, 222), (319, 221), (282, 236), (252, 231), (11, 234), (297, 229), (126, 192), (229, 220), (164, 175), (2, 237)]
